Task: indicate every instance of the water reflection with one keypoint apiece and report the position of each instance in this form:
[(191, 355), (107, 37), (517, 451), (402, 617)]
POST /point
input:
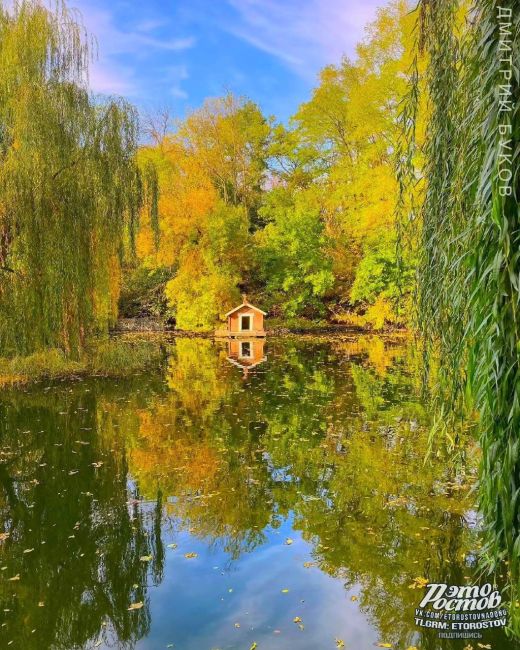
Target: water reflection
[(246, 353), (229, 504)]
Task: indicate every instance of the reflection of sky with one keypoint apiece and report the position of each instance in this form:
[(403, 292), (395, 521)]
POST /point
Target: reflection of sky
[(193, 609), (176, 52)]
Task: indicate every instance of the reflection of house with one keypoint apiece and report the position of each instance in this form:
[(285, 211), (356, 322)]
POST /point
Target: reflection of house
[(244, 320), (246, 354)]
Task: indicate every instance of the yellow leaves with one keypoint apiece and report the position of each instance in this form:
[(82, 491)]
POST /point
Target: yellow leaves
[(297, 619), (14, 578), (340, 643), (384, 645), (189, 556), (254, 645), (288, 541), (145, 558), (418, 583), (135, 606), (285, 591), (353, 598)]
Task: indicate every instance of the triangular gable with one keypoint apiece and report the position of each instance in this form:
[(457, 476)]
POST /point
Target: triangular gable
[(246, 304)]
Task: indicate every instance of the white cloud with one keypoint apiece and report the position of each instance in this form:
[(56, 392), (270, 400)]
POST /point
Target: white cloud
[(108, 75), (304, 34)]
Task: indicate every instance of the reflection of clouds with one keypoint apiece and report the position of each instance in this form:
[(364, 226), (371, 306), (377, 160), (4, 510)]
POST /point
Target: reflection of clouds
[(256, 602)]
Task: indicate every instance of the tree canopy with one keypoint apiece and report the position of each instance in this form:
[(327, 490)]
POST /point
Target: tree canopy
[(69, 185)]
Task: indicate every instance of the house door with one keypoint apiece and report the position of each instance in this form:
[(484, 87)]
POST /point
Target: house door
[(246, 323)]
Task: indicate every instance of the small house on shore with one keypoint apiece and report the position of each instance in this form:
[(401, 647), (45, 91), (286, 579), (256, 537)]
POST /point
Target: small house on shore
[(244, 320)]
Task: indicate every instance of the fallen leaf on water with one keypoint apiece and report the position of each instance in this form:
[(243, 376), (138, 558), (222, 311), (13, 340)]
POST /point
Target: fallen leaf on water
[(285, 591), (487, 646), (237, 625), (188, 556), (384, 645), (16, 577), (41, 604), (340, 643), (171, 546), (288, 541), (353, 598), (307, 565), (297, 619), (135, 606), (145, 558), (28, 550), (254, 645)]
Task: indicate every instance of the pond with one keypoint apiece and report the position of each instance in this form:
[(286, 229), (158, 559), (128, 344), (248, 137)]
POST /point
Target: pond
[(229, 497)]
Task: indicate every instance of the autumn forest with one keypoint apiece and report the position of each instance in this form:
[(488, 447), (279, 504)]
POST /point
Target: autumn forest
[(178, 217)]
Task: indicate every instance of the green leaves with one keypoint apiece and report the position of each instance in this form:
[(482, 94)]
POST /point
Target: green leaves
[(70, 189)]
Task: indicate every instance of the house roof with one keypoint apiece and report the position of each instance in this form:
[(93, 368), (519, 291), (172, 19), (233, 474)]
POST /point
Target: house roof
[(245, 304)]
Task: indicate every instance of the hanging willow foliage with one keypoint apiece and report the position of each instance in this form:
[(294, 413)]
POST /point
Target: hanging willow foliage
[(69, 186), (469, 245)]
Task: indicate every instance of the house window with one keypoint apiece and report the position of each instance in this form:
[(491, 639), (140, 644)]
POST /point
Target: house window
[(245, 349), (246, 323)]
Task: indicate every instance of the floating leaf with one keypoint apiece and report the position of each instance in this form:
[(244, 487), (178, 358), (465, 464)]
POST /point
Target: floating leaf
[(288, 541), (134, 606), (188, 556), (145, 558), (340, 643)]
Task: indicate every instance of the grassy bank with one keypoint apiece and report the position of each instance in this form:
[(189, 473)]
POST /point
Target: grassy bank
[(117, 357)]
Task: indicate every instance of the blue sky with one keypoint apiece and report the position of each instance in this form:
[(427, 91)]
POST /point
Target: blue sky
[(174, 53)]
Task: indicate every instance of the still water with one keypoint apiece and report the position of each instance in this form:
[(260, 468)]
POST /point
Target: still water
[(224, 498)]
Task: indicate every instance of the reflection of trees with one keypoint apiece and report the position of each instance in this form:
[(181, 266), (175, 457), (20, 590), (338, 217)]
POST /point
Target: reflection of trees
[(328, 432), (82, 570), (337, 444)]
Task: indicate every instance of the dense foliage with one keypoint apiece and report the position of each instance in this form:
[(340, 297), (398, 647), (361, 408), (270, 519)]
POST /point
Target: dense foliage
[(470, 237), (300, 216), (69, 185)]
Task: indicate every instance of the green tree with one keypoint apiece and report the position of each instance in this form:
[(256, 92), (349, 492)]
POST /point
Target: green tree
[(292, 254), (69, 186)]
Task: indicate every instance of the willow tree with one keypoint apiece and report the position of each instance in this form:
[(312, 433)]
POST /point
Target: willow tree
[(469, 245), (69, 186)]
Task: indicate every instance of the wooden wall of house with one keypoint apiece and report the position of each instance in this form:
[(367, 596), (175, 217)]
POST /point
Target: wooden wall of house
[(234, 319)]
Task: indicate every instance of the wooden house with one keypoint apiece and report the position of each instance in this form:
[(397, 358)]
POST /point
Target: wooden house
[(246, 320)]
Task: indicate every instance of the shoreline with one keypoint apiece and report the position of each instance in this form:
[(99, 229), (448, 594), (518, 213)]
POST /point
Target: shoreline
[(126, 352)]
